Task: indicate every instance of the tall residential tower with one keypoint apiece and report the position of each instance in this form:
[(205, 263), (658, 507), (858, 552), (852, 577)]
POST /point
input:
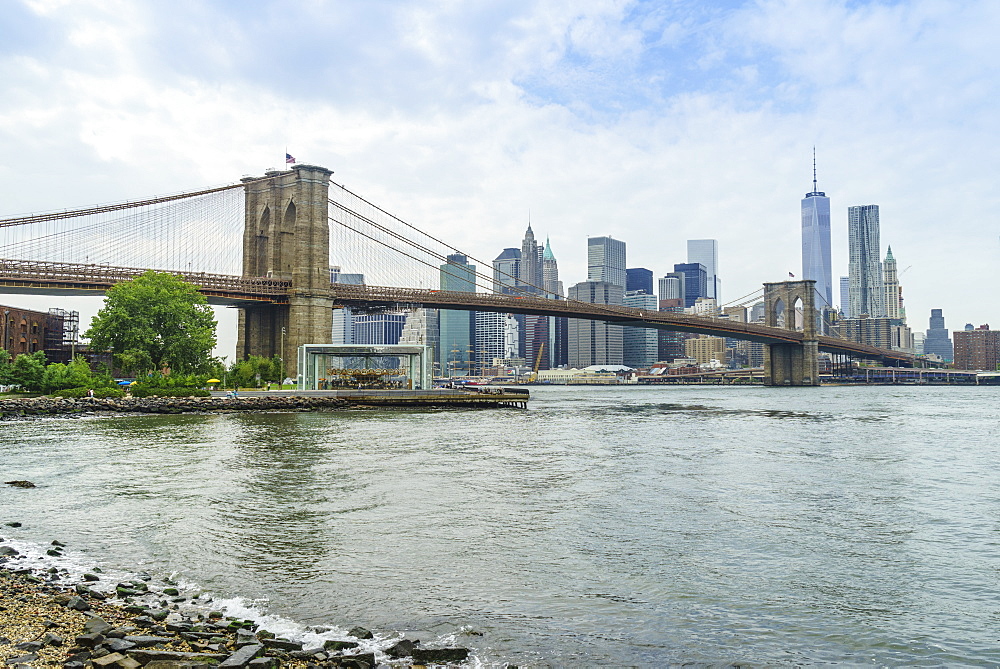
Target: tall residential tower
[(867, 290)]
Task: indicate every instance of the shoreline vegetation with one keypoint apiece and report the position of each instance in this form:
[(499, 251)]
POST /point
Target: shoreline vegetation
[(49, 618)]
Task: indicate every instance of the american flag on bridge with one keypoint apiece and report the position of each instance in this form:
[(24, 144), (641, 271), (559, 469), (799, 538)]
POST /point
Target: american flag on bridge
[(288, 159)]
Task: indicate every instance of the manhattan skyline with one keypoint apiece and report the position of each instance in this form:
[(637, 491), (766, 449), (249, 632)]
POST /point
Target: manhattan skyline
[(648, 123)]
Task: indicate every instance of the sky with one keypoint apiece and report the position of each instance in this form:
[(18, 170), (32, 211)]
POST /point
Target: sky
[(653, 122)]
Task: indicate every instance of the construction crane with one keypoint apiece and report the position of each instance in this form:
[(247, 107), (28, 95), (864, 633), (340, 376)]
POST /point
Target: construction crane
[(538, 362)]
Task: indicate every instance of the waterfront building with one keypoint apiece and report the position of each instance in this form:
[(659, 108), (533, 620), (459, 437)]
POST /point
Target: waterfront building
[(918, 343), (343, 318), (977, 349), (606, 261), (867, 290), (816, 263), (706, 253), (595, 342), (936, 340), (705, 349), (670, 343), (421, 329), (456, 328), (845, 296), (695, 281), (496, 338), (56, 332), (893, 291), (705, 306), (865, 330), (639, 279), (640, 345), (377, 329)]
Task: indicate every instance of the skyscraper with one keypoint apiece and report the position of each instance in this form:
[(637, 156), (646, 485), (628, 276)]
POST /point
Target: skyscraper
[(455, 352), (893, 291), (867, 290), (695, 281), (706, 252), (845, 296), (530, 271), (558, 353), (816, 263), (606, 260), (506, 270), (595, 342), (936, 341), (672, 286), (640, 345), (639, 279)]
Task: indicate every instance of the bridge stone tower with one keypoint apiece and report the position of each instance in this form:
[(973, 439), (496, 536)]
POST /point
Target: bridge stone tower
[(286, 236), (792, 305)]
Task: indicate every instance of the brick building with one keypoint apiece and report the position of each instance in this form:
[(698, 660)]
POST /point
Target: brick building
[(27, 331), (977, 349)]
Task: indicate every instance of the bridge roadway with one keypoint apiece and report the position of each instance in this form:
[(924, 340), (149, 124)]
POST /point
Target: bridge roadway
[(47, 278)]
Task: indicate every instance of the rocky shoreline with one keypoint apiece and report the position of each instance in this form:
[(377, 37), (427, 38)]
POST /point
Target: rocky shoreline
[(47, 619), (20, 408)]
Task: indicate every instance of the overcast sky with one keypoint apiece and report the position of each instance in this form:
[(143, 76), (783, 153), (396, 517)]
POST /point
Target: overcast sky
[(653, 122)]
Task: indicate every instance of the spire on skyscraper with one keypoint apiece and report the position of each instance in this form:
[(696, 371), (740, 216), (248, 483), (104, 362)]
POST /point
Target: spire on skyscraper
[(547, 253), (815, 191)]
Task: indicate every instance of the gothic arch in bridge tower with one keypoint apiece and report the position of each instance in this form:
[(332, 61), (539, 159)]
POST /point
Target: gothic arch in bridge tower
[(286, 236), (790, 305)]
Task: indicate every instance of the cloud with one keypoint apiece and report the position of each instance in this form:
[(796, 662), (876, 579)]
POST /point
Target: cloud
[(654, 122)]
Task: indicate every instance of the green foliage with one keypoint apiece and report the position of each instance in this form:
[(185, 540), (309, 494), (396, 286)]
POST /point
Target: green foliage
[(172, 381), (245, 373), (74, 374), (146, 391), (77, 393), (27, 371), (155, 321)]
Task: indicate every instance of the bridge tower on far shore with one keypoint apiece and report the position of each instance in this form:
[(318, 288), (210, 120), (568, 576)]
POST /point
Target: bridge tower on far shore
[(286, 236), (792, 305)]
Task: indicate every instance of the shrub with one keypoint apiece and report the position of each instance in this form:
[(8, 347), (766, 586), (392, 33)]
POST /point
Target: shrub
[(146, 391), (76, 393)]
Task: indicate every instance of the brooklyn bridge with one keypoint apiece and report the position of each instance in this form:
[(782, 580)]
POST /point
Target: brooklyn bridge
[(265, 245)]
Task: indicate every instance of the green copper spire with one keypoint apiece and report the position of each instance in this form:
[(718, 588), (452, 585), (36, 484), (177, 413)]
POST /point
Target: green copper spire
[(547, 253)]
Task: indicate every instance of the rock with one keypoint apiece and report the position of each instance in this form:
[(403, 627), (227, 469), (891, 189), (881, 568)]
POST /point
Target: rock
[(108, 660), (29, 646), (282, 644), (20, 484), (147, 641), (23, 659), (360, 633), (360, 661), (97, 624), (89, 640), (58, 544), (91, 577), (145, 657), (78, 604), (51, 639), (264, 663), (330, 644), (13, 524), (439, 655), (172, 592), (242, 656), (7, 550), (402, 648)]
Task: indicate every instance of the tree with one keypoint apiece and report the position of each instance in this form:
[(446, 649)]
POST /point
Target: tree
[(153, 322), (28, 370)]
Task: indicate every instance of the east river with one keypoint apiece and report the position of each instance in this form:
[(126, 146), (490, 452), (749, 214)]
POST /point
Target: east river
[(602, 526)]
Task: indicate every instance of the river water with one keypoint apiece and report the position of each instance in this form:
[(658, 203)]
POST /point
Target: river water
[(602, 526)]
